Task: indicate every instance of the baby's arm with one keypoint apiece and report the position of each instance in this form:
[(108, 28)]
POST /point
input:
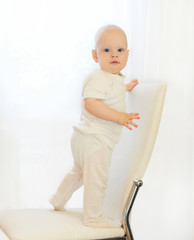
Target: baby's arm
[(99, 109), (129, 86)]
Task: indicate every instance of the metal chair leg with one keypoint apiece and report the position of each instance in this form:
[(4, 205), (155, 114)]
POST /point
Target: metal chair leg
[(128, 206)]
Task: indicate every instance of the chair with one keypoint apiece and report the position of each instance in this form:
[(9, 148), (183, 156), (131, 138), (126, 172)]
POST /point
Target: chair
[(129, 163)]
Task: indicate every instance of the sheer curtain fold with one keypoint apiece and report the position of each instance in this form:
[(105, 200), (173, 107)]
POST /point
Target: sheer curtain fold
[(170, 57)]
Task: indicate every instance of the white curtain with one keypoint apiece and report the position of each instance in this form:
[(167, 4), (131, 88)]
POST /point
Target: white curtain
[(44, 55), (164, 208), (45, 52)]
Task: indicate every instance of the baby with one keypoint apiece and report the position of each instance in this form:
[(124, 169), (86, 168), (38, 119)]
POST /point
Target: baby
[(102, 118)]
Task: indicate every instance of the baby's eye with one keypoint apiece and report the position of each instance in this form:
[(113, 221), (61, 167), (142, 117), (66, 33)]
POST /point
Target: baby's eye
[(120, 50), (107, 50)]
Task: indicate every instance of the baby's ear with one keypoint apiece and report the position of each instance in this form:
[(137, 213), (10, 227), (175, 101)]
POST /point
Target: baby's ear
[(94, 55), (128, 52)]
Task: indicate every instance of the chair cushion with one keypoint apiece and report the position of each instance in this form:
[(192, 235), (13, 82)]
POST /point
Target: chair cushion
[(45, 224)]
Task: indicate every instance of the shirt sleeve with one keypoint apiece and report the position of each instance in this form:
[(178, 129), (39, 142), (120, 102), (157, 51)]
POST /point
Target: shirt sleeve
[(96, 87)]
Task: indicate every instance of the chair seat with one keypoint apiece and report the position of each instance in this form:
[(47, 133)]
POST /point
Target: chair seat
[(45, 224)]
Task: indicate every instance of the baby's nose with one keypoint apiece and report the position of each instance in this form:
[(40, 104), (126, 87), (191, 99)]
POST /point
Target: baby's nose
[(114, 53)]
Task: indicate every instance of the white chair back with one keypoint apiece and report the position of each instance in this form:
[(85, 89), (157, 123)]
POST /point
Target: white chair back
[(132, 155)]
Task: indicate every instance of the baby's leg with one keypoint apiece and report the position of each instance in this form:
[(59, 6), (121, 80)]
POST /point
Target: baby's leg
[(71, 182), (96, 169)]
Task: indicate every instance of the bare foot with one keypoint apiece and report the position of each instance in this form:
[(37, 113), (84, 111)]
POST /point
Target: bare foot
[(53, 202)]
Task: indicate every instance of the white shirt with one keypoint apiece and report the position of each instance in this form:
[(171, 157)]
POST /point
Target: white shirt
[(111, 89)]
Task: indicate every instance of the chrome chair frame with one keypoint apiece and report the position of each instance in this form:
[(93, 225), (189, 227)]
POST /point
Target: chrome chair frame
[(127, 210)]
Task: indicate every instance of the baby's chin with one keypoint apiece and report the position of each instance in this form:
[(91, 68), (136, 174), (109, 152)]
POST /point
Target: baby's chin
[(111, 71), (115, 72)]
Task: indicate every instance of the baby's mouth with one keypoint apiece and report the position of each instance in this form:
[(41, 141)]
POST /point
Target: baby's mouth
[(114, 62)]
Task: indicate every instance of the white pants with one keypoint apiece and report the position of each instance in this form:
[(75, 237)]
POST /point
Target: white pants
[(91, 165)]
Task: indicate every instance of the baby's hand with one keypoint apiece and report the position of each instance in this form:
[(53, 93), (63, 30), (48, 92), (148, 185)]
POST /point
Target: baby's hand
[(125, 119), (131, 84)]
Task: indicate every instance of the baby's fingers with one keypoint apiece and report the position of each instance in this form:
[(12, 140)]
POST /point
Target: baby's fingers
[(128, 126), (134, 116), (133, 124), (134, 82)]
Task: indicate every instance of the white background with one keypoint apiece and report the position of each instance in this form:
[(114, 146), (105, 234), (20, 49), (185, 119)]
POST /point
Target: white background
[(45, 52)]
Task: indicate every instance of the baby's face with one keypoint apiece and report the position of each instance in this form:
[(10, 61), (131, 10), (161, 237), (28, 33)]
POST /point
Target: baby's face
[(111, 51)]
